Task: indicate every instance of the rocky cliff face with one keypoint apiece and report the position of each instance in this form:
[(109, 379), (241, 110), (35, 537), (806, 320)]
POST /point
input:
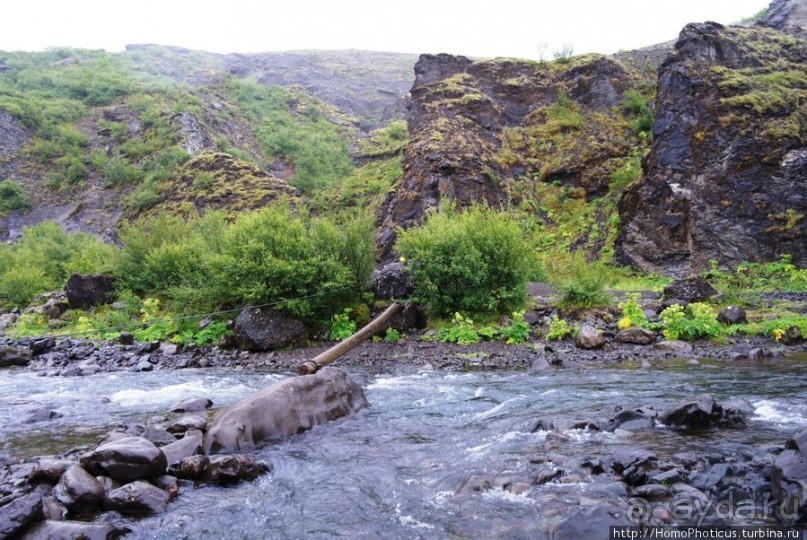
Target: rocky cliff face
[(787, 16), (482, 131), (726, 177)]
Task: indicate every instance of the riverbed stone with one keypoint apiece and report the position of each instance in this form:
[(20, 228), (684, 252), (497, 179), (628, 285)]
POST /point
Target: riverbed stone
[(230, 469), (624, 458), (637, 419), (189, 445), (49, 470), (636, 335), (285, 408), (137, 498), (17, 514), (592, 523), (42, 415), (73, 530), (732, 315), (589, 338), (53, 509), (186, 423), (196, 404), (78, 490), (15, 356), (191, 467), (675, 346), (263, 329), (789, 478), (792, 336), (129, 458), (703, 412)]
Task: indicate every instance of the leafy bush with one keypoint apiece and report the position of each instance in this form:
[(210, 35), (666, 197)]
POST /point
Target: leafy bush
[(564, 54), (582, 283), (43, 259), (558, 329), (392, 335), (781, 275), (461, 331), (341, 326), (696, 321), (632, 313), (13, 197), (474, 261), (636, 104), (518, 331)]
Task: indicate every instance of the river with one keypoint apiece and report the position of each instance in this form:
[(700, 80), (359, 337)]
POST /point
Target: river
[(397, 469)]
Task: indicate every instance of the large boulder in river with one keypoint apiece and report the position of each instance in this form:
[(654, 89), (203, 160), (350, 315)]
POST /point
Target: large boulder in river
[(703, 412), (789, 479), (86, 290), (73, 530), (234, 468), (284, 408), (129, 458), (725, 178), (263, 329)]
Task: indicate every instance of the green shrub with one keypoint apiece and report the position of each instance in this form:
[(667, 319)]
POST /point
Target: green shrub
[(19, 285), (632, 313), (582, 283), (120, 172), (636, 104), (143, 197), (341, 326), (564, 54), (13, 197), (392, 335), (696, 321), (558, 329), (461, 331), (518, 331), (474, 261)]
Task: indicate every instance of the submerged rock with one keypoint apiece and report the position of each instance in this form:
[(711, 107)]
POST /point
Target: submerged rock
[(197, 404), (592, 523), (285, 408)]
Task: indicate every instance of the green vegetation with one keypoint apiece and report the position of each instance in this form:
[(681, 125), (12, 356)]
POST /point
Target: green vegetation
[(13, 197), (582, 283), (632, 313), (758, 16), (695, 321), (517, 331), (474, 261), (341, 326), (558, 329), (636, 104), (44, 258), (295, 127)]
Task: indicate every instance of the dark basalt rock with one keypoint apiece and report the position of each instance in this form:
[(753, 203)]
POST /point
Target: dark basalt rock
[(724, 180), (138, 498), (86, 290), (732, 315), (234, 468), (789, 478), (129, 458), (79, 491), (262, 329), (74, 530), (20, 512), (704, 412), (693, 289), (392, 281)]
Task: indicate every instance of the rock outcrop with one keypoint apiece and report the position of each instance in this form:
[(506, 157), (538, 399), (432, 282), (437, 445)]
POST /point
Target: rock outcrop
[(787, 16), (480, 131), (726, 176)]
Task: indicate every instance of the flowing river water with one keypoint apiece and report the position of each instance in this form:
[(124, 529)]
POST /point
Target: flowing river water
[(397, 470)]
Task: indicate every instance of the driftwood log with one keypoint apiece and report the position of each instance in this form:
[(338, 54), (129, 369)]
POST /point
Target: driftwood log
[(373, 327)]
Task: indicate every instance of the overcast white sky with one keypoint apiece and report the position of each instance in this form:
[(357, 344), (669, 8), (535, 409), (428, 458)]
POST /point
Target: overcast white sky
[(482, 28)]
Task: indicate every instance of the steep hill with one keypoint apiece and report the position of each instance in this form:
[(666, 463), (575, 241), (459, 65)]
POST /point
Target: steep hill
[(93, 137)]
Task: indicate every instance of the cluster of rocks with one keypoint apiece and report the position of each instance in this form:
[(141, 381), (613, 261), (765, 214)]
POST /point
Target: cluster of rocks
[(134, 471), (634, 486)]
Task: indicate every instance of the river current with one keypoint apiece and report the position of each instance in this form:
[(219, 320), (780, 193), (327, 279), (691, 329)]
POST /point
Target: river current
[(406, 467)]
